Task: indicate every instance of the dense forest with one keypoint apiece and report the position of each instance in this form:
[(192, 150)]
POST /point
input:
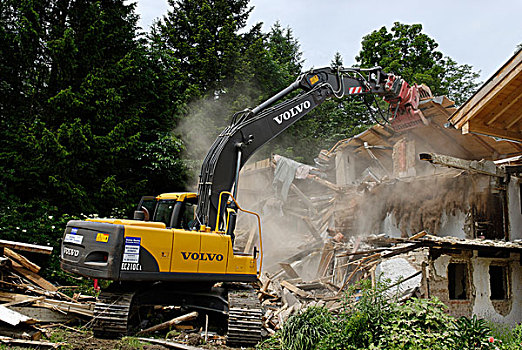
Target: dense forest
[(96, 112)]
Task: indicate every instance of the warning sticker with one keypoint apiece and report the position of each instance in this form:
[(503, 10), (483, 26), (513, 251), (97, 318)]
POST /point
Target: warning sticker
[(132, 250), (102, 237)]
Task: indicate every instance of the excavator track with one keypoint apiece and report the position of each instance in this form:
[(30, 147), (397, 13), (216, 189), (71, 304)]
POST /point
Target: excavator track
[(112, 313), (244, 317)]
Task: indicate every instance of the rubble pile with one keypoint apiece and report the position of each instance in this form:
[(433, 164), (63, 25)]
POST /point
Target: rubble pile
[(31, 305)]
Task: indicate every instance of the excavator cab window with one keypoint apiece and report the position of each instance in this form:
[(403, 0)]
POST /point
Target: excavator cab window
[(164, 211), (188, 213)]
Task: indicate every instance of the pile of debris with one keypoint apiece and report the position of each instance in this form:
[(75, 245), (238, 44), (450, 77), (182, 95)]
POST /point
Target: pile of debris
[(32, 305), (284, 292)]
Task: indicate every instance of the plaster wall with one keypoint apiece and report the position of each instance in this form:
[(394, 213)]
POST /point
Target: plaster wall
[(479, 291), (483, 306), (514, 208)]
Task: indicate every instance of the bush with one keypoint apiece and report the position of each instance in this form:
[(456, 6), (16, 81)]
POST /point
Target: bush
[(418, 324), (471, 333), (304, 330), (352, 332), (370, 320)]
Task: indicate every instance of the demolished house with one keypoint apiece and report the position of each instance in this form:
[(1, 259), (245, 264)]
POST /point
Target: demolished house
[(436, 207)]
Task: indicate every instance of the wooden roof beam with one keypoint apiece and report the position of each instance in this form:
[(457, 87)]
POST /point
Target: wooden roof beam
[(470, 127), (503, 110), (492, 87)]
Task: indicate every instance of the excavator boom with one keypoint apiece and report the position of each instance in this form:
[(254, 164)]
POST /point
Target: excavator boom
[(251, 129)]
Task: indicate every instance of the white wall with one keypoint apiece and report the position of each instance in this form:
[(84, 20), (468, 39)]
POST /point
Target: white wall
[(452, 225), (483, 306), (514, 210)]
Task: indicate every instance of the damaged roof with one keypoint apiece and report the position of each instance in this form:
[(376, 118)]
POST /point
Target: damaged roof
[(434, 137), (426, 240), (496, 108)]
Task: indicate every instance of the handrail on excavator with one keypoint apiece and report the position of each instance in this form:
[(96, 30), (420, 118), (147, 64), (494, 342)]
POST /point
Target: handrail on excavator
[(248, 212)]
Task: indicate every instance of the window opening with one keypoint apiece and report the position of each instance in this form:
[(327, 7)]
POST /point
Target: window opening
[(498, 282), (458, 281), (164, 212)]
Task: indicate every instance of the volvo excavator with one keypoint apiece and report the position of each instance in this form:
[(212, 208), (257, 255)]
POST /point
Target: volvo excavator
[(179, 248)]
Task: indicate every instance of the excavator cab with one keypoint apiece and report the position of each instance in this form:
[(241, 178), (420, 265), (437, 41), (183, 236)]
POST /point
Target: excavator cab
[(175, 210)]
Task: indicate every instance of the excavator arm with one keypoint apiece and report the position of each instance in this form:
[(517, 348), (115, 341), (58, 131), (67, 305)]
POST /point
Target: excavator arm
[(251, 129)]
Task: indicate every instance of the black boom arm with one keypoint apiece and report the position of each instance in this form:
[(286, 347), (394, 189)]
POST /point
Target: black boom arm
[(251, 129)]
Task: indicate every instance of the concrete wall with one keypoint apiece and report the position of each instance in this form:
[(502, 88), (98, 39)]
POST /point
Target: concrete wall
[(478, 301), (514, 209)]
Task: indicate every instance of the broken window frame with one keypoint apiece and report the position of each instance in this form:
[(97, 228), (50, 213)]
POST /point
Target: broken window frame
[(467, 281), (505, 281)]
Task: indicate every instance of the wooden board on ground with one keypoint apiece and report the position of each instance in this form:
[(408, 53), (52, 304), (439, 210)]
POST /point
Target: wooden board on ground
[(43, 315), (83, 309), (29, 343), (20, 332), (170, 344), (22, 260), (33, 277), (26, 247)]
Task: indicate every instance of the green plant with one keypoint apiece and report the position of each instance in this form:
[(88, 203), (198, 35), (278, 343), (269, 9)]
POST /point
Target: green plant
[(350, 332), (305, 329), (417, 324), (471, 333)]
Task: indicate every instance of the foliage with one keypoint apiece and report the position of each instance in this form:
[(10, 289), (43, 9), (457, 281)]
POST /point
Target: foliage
[(304, 330), (506, 337), (471, 333), (352, 331), (370, 319), (417, 324), (406, 51)]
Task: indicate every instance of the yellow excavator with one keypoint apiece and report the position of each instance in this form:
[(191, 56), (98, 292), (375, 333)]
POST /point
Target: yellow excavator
[(179, 248)]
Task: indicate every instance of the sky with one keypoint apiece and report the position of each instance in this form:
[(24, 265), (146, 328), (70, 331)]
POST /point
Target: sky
[(483, 34)]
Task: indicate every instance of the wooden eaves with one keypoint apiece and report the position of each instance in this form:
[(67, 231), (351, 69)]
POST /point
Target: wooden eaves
[(496, 108)]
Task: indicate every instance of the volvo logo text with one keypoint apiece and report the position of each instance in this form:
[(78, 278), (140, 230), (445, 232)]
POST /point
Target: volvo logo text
[(292, 112), (202, 256)]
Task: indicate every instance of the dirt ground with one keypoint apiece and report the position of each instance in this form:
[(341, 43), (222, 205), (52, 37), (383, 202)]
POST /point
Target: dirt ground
[(86, 341)]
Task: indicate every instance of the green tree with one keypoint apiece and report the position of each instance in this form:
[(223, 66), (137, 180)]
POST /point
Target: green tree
[(406, 51), (203, 36), (90, 130)]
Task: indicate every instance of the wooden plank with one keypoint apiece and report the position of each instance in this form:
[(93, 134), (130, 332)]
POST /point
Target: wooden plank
[(22, 260), (498, 114), (418, 235), (64, 306), (170, 344), (294, 289), (26, 247), (170, 323), (36, 279), (470, 127), (289, 270), (30, 343), (326, 258), (491, 95), (20, 332), (304, 198)]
